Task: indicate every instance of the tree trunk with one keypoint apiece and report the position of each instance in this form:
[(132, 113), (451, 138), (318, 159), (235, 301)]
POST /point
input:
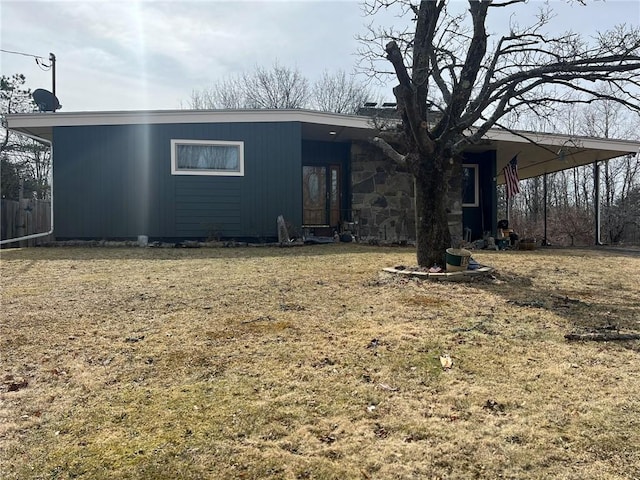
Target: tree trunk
[(432, 229)]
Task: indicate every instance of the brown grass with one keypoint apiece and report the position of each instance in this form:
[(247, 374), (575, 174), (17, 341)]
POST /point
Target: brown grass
[(311, 363)]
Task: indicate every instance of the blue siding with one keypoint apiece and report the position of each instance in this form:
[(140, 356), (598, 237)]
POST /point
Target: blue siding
[(482, 218), (208, 203), (116, 182), (324, 153)]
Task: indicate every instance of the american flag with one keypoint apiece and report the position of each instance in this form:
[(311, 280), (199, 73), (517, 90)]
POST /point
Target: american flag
[(511, 177)]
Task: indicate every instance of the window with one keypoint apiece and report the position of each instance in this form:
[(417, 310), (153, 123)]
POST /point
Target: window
[(470, 188), (207, 157)]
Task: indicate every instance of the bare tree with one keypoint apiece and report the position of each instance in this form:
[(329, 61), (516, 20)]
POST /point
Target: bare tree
[(277, 87), (225, 94), (274, 87), (608, 119), (603, 118), (25, 164), (14, 98), (339, 93), (280, 87), (447, 64)]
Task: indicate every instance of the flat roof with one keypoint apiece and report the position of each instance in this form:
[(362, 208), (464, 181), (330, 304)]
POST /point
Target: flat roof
[(538, 153), (41, 124)]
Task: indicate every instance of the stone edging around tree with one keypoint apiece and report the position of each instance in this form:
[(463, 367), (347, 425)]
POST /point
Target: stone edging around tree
[(446, 276)]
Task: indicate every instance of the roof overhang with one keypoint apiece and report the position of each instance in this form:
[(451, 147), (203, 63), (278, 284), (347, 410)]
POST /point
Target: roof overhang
[(315, 125), (538, 153)]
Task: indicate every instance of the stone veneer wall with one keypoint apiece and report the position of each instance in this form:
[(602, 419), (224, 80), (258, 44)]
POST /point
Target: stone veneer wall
[(382, 197)]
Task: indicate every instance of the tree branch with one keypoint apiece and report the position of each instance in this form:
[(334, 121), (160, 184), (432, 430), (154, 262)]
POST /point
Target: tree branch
[(602, 336), (389, 151), (475, 54), (407, 105)]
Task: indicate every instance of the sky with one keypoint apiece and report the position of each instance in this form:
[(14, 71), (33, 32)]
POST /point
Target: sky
[(135, 55)]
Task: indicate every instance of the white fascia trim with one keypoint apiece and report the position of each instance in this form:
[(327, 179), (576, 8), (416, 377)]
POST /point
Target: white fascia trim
[(146, 117), (569, 141), (59, 119)]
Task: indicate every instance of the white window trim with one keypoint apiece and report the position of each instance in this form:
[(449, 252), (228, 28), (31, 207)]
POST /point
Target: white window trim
[(476, 187), (222, 173)]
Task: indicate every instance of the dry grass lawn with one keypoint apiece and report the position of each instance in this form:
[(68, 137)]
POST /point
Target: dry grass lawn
[(309, 362)]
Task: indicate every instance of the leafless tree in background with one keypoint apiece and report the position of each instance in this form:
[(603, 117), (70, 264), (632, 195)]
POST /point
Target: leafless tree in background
[(280, 87), (25, 164), (274, 87), (339, 93), (277, 87), (570, 201), (225, 94)]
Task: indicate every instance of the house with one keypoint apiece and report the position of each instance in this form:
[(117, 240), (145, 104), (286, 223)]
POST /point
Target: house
[(187, 174)]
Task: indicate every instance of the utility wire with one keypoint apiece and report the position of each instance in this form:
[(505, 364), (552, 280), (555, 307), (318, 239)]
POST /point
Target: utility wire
[(21, 53), (39, 59), (42, 66)]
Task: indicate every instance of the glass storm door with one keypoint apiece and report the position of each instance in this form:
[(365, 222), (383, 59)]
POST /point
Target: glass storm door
[(321, 195)]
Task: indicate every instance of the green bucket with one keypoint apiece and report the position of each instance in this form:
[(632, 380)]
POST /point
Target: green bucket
[(457, 259)]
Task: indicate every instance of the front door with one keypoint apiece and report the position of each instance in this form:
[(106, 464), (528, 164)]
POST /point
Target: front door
[(321, 196)]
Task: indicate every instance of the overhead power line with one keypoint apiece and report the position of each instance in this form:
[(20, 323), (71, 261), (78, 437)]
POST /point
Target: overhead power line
[(22, 53), (39, 59), (43, 66)]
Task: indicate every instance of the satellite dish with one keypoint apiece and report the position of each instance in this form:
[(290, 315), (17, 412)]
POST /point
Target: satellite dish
[(46, 101)]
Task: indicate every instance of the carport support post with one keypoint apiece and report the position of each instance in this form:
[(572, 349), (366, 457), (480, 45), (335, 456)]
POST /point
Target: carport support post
[(544, 195), (596, 200)]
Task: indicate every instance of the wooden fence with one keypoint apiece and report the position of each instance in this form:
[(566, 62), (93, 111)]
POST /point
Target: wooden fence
[(19, 218)]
